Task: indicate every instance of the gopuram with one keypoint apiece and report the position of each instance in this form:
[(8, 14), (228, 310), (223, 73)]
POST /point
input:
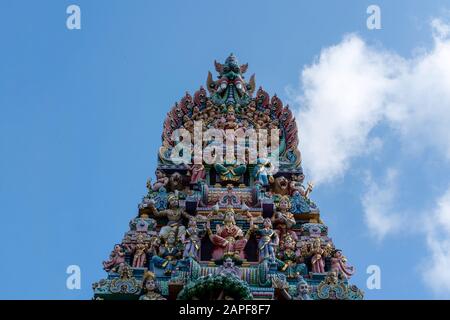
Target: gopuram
[(228, 229)]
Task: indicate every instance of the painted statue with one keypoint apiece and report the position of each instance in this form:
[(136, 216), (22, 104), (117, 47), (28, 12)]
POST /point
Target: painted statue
[(290, 260), (150, 288), (116, 258), (318, 257), (263, 171), (174, 215), (161, 180), (192, 241), (168, 255), (231, 172), (280, 185), (283, 220), (339, 265), (197, 172), (229, 239), (303, 291), (228, 268), (297, 185), (268, 241), (139, 250)]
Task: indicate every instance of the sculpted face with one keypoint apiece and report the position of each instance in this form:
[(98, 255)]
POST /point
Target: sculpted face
[(282, 182), (281, 186), (171, 239), (229, 218), (192, 223), (150, 285), (173, 203), (303, 288), (228, 263), (283, 204)]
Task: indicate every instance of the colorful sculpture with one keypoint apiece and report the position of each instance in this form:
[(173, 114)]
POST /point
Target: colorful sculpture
[(265, 236), (116, 258), (139, 251), (268, 241), (192, 241), (229, 239), (168, 255), (339, 265), (150, 288), (283, 220)]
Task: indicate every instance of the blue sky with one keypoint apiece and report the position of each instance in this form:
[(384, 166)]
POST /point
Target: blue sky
[(81, 114)]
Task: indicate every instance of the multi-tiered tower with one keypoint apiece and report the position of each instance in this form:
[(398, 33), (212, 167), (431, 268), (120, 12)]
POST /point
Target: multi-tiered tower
[(228, 229)]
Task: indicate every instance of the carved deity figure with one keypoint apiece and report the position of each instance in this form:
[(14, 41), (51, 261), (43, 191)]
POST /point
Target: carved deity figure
[(168, 255), (139, 250), (174, 215), (263, 171), (303, 291), (290, 259), (192, 241), (228, 268), (318, 255), (339, 265), (150, 288), (297, 185), (231, 172), (161, 180), (268, 241), (197, 172), (280, 185), (229, 239), (283, 220), (116, 258)]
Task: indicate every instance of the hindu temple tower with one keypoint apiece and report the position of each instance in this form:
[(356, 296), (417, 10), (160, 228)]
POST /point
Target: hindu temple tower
[(228, 230)]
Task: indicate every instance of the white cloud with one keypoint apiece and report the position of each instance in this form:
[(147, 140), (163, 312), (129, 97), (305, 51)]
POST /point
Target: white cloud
[(435, 271), (378, 204), (352, 87)]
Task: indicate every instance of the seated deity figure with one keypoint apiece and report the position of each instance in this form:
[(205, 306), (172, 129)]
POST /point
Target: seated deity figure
[(192, 241), (339, 265), (229, 239), (231, 172), (283, 220), (263, 171), (168, 254), (116, 258), (175, 216), (150, 288), (267, 242), (290, 260)]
